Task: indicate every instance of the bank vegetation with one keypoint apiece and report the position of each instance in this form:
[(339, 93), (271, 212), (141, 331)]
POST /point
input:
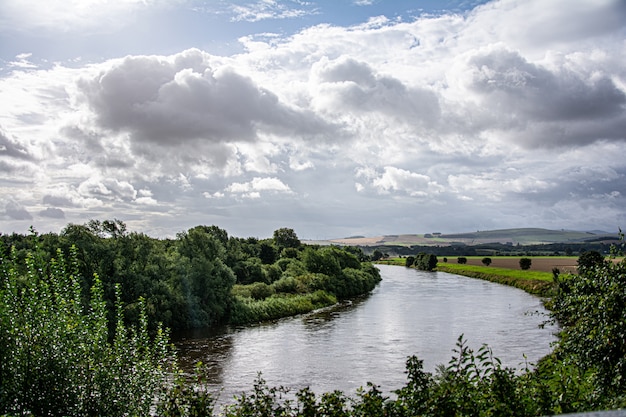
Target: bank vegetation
[(72, 345)]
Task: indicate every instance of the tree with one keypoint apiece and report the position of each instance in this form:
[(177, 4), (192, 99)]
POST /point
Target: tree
[(591, 307), (267, 253), (206, 281), (286, 238), (589, 259), (461, 260), (525, 263), (425, 261), (486, 261), (377, 255), (409, 261), (60, 359)]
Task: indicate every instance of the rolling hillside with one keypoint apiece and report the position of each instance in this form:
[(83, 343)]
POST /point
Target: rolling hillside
[(523, 236)]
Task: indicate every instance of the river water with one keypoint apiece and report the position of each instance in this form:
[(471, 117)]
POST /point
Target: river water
[(410, 313)]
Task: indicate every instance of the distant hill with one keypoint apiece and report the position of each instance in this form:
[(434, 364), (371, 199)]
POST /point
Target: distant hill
[(523, 236)]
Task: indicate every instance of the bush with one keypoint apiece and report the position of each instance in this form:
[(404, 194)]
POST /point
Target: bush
[(592, 307), (525, 263), (486, 261), (589, 259), (57, 357), (260, 290), (461, 260), (425, 261)]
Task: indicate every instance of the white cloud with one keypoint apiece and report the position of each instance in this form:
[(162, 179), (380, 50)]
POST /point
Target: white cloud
[(394, 179), (269, 9), (254, 188), (476, 112)]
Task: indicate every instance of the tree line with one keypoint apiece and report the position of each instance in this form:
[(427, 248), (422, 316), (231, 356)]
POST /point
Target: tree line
[(62, 352), (203, 277)]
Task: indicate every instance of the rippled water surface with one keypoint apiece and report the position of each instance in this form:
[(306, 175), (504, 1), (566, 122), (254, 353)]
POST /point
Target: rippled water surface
[(409, 313)]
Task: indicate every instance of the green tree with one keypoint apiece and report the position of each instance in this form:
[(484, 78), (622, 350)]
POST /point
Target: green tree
[(206, 280), (267, 253), (486, 261), (461, 260), (286, 238), (589, 259), (525, 263), (425, 261), (592, 308), (58, 358), (377, 255)]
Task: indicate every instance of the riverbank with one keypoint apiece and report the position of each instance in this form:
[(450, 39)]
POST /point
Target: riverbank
[(533, 282), (537, 281)]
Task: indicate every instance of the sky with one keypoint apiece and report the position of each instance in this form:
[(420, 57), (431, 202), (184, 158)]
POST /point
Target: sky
[(334, 118)]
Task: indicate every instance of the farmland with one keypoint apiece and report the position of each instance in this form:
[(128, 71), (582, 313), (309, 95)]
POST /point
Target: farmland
[(565, 264)]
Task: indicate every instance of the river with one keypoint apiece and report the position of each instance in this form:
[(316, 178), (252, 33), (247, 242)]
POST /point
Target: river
[(410, 313)]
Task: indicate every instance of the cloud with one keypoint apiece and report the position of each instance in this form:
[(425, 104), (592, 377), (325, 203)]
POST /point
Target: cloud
[(560, 24), (187, 105), (53, 213), (15, 211), (471, 117), (258, 185), (394, 179), (346, 83), (540, 107), (270, 9), (12, 149)]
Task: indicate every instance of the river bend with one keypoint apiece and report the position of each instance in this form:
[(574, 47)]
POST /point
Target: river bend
[(410, 312)]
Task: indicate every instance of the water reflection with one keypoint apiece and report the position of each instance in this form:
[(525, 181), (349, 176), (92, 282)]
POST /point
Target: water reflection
[(344, 347)]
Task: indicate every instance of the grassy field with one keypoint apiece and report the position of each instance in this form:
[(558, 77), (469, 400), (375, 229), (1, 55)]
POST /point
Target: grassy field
[(538, 280), (505, 272)]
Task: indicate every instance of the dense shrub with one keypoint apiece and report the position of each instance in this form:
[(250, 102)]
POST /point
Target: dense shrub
[(58, 358), (525, 263), (592, 308), (425, 261), (589, 259)]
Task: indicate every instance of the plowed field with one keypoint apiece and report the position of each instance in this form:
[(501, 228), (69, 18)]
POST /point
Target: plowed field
[(565, 264)]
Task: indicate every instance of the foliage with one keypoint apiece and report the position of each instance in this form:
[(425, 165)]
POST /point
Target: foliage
[(59, 355), (188, 282), (425, 261), (249, 310), (592, 307), (589, 259), (486, 261), (286, 238), (410, 260), (58, 358), (525, 263), (461, 260)]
